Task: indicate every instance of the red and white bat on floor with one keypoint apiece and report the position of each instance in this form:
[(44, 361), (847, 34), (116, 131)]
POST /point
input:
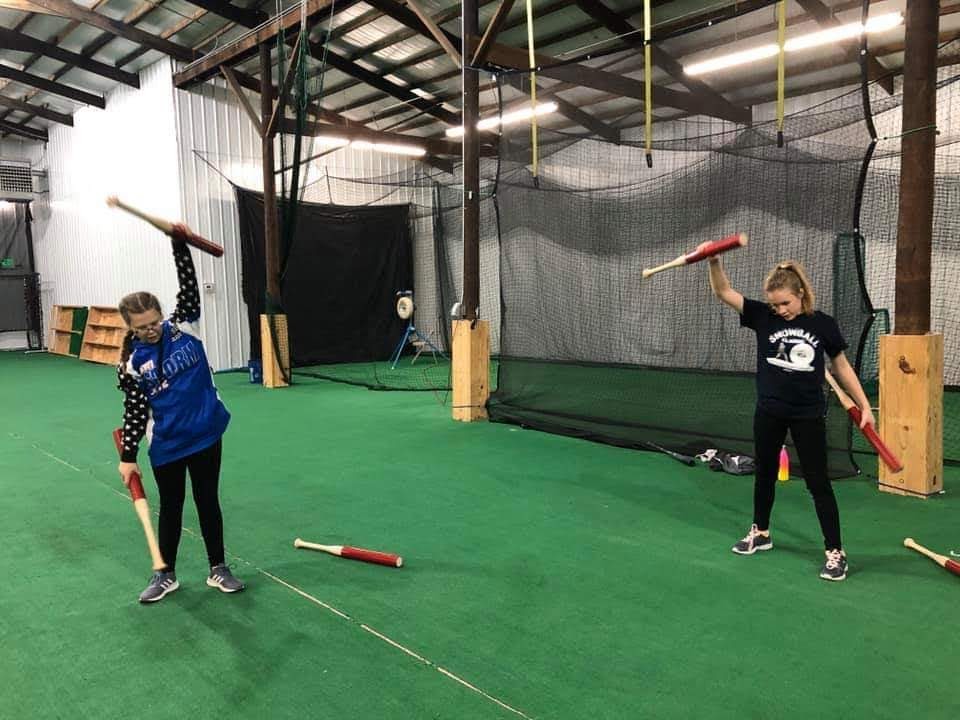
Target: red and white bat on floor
[(869, 432), (354, 553), (941, 560), (140, 506), (715, 248), (177, 231)]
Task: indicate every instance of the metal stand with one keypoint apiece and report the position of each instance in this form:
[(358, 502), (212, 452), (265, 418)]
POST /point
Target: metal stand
[(408, 335)]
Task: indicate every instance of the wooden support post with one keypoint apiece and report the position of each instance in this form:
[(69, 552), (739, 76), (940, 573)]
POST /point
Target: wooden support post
[(272, 377), (471, 166), (471, 337), (917, 156), (471, 369), (911, 407), (911, 360), (272, 374)]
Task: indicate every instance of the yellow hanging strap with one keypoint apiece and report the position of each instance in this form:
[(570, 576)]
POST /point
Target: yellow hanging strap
[(781, 41), (533, 88), (648, 83)]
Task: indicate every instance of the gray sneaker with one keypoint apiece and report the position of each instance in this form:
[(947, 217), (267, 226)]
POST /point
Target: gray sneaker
[(223, 579), (754, 541), (835, 568), (161, 585)]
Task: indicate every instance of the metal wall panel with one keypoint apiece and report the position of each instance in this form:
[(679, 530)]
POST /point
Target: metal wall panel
[(87, 253)]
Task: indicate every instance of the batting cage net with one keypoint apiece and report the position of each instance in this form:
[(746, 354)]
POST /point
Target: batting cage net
[(583, 346)]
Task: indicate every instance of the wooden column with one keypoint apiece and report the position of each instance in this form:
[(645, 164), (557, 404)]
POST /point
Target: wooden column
[(918, 147), (471, 369), (911, 405), (471, 165), (911, 360), (274, 354), (471, 337)]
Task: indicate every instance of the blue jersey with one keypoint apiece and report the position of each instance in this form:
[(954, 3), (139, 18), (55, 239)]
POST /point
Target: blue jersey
[(170, 395), (185, 414)]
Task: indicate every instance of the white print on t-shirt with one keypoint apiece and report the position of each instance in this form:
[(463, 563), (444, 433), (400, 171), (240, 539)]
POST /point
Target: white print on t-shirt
[(800, 356)]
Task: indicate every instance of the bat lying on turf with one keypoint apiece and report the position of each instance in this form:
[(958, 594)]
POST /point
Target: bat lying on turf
[(941, 560), (869, 432), (177, 231), (139, 498), (354, 553), (685, 459), (714, 248)]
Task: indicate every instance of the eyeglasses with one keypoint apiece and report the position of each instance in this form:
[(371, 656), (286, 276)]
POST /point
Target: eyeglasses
[(146, 329)]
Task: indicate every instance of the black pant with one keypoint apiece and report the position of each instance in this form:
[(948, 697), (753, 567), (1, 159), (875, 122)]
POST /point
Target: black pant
[(810, 439), (204, 467)]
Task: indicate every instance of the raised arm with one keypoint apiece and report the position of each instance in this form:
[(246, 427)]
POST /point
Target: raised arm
[(720, 285), (188, 297)]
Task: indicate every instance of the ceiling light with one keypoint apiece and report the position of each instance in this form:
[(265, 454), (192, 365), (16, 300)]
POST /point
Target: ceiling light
[(392, 148), (512, 117), (880, 23)]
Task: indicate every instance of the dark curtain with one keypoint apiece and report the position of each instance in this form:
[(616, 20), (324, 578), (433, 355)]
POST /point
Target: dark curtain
[(340, 275)]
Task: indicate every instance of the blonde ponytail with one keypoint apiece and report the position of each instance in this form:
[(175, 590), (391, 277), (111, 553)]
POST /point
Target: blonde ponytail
[(790, 275)]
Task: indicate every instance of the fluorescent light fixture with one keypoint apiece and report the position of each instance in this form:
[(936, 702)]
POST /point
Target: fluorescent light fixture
[(880, 23), (392, 148), (512, 117), (733, 59)]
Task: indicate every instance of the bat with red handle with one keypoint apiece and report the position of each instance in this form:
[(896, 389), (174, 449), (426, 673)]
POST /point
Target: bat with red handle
[(869, 432), (177, 231), (941, 560), (714, 248), (354, 553), (139, 498)]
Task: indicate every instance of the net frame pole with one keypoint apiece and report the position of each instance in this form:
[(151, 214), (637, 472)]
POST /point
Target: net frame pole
[(647, 84), (533, 87)]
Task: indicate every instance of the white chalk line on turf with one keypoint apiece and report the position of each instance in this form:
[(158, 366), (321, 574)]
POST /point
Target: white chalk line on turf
[(386, 639), (50, 455), (321, 603), (444, 671)]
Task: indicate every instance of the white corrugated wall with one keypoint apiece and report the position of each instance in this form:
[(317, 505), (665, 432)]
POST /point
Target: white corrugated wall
[(88, 254), (217, 145)]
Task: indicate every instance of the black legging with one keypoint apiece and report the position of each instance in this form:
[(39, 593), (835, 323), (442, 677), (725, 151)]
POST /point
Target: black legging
[(810, 439), (204, 467)]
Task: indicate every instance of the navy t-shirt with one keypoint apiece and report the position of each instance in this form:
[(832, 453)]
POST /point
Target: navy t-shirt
[(790, 359)]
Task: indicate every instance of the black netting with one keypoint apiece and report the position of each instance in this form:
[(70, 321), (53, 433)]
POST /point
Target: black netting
[(589, 349)]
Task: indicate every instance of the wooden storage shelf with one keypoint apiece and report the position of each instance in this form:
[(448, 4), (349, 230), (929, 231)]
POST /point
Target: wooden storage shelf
[(68, 326), (103, 338)]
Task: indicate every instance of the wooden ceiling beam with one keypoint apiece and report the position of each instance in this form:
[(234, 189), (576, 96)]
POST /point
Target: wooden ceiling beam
[(661, 58), (36, 110), (490, 34), (78, 13), (23, 130), (289, 24), (25, 43), (50, 86)]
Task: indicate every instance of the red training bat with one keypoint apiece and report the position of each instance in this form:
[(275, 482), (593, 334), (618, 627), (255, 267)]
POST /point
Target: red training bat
[(178, 231), (941, 560), (139, 498), (868, 431), (714, 248), (370, 556)]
